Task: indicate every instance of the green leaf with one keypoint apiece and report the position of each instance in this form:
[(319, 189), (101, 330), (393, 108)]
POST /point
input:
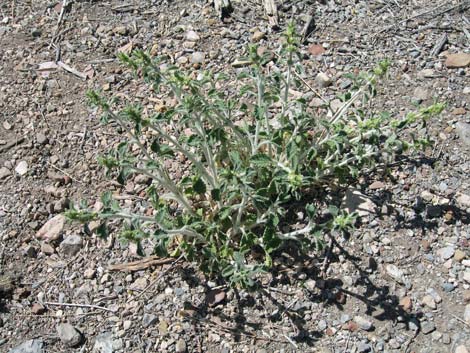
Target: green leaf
[(199, 186), (216, 194), (311, 211), (261, 160), (107, 198)]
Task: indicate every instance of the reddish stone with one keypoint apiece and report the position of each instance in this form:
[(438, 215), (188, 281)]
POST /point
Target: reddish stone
[(38, 309), (316, 49), (406, 304)]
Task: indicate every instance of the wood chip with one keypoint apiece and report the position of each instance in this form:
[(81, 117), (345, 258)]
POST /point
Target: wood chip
[(223, 7), (439, 45), (72, 70), (271, 10), (141, 264)]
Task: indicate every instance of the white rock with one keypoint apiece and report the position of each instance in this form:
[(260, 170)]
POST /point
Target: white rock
[(466, 276), (461, 349), (463, 200), (192, 36), (22, 168), (323, 80), (363, 323)]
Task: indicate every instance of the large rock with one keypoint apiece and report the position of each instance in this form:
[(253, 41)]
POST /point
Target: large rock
[(69, 335), (363, 323), (355, 201), (397, 274), (4, 172), (31, 346), (323, 80), (52, 229), (463, 130), (22, 168), (466, 314), (457, 60), (105, 343), (71, 245), (192, 36)]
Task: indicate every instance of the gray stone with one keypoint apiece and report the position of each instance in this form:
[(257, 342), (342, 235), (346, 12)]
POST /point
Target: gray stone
[(36, 32), (31, 346), (436, 335), (466, 314), (257, 36), (446, 253), (198, 57), (394, 344), (394, 272), (139, 284), (420, 94), (322, 325), (41, 138), (180, 346), (433, 211), (461, 349), (446, 338), (448, 287), (427, 327), (121, 30), (105, 343), (69, 335), (22, 168), (4, 172), (428, 300), (363, 323), (426, 73), (149, 320), (355, 201), (71, 245), (363, 347), (413, 325), (463, 131)]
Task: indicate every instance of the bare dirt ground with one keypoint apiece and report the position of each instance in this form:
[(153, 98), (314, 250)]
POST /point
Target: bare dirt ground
[(399, 284)]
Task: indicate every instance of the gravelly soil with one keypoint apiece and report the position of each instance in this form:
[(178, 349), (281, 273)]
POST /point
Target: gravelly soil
[(399, 284)]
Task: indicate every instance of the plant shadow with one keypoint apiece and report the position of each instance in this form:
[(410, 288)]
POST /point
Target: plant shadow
[(244, 322)]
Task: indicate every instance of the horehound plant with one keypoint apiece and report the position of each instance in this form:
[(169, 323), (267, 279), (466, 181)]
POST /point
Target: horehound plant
[(248, 157)]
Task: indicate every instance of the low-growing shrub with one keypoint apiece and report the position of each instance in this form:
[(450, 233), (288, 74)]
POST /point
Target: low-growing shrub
[(249, 154)]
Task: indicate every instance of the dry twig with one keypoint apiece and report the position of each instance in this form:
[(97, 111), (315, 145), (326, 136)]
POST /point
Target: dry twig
[(141, 264), (79, 306)]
